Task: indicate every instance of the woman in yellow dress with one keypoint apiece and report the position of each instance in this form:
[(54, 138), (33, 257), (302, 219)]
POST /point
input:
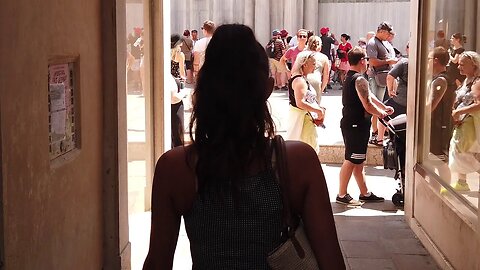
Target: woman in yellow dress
[(305, 113), (464, 154)]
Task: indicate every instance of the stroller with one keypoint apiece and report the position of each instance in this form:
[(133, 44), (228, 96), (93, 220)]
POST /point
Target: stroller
[(394, 153)]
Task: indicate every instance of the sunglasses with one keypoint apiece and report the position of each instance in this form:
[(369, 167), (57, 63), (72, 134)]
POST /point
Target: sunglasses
[(302, 36)]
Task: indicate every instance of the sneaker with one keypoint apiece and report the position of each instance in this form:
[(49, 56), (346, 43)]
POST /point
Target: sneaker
[(348, 200), (371, 198), (459, 186)]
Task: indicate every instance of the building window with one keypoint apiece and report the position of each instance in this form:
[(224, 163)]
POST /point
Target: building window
[(451, 144)]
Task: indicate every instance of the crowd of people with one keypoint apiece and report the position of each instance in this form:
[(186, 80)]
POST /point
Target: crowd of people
[(231, 161)]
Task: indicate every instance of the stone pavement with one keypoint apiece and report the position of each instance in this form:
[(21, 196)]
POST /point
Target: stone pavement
[(374, 236)]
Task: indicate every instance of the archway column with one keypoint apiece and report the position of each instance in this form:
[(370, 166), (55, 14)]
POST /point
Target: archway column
[(289, 16), (262, 20), (311, 15), (249, 12)]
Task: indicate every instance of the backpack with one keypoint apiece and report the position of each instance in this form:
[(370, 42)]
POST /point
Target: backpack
[(270, 49)]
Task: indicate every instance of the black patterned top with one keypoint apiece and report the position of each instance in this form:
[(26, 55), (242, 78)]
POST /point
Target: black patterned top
[(223, 236), (175, 69)]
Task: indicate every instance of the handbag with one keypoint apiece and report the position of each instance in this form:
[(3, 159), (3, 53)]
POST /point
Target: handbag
[(295, 252), (390, 156), (381, 78), (389, 150), (340, 54), (337, 62)]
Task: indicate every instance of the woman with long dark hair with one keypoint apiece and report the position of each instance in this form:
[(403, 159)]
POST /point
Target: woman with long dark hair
[(224, 184)]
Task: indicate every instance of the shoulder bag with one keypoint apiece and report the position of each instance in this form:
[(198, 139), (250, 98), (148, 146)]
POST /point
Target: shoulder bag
[(295, 252), (381, 78)]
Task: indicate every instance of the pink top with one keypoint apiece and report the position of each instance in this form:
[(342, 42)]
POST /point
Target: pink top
[(292, 53)]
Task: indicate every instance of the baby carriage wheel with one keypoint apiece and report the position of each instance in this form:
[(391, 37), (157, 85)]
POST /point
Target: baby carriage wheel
[(398, 199)]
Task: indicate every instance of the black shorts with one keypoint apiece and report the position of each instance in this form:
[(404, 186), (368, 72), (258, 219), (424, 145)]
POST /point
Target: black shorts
[(355, 138), (188, 64), (397, 108)]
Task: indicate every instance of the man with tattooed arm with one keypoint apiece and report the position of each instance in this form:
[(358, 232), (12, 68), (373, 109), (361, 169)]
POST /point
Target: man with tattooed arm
[(359, 104)]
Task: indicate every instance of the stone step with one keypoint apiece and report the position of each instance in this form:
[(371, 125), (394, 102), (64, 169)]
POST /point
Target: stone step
[(331, 154), (334, 154)]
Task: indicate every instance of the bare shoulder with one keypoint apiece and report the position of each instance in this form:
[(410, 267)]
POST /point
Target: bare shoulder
[(302, 160), (299, 82), (361, 81), (439, 82), (172, 157), (180, 56), (175, 176), (299, 149), (476, 84), (476, 89), (305, 173)]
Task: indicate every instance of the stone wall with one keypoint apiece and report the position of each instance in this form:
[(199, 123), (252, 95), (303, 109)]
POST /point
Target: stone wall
[(353, 17)]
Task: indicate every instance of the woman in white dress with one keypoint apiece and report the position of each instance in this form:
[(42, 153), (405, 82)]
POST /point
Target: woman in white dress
[(464, 154), (319, 78)]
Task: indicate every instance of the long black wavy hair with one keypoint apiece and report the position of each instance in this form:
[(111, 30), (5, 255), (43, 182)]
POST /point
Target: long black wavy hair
[(230, 116)]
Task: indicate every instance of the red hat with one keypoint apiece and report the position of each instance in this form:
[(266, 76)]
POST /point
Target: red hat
[(283, 33), (137, 30), (324, 30)]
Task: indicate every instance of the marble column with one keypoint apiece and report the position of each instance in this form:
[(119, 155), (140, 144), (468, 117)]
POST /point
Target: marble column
[(218, 12), (188, 13), (229, 11), (477, 48), (238, 10), (262, 21), (290, 16), (299, 14), (470, 24), (276, 15), (310, 21), (180, 21), (249, 13)]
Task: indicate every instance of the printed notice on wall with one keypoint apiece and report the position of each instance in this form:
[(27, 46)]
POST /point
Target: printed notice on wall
[(57, 97), (63, 135), (58, 124), (59, 74)]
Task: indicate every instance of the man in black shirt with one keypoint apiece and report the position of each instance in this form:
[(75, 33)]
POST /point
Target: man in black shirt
[(327, 42), (358, 106)]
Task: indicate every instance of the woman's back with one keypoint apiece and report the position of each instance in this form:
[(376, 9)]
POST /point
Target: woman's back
[(228, 235), (223, 184)]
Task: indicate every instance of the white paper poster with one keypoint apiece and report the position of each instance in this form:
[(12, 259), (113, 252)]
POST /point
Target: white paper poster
[(58, 125), (57, 96)]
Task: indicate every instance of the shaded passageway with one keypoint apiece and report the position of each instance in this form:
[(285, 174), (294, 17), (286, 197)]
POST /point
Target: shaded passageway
[(374, 236)]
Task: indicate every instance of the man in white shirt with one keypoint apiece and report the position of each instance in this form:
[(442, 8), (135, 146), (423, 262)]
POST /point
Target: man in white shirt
[(201, 46)]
